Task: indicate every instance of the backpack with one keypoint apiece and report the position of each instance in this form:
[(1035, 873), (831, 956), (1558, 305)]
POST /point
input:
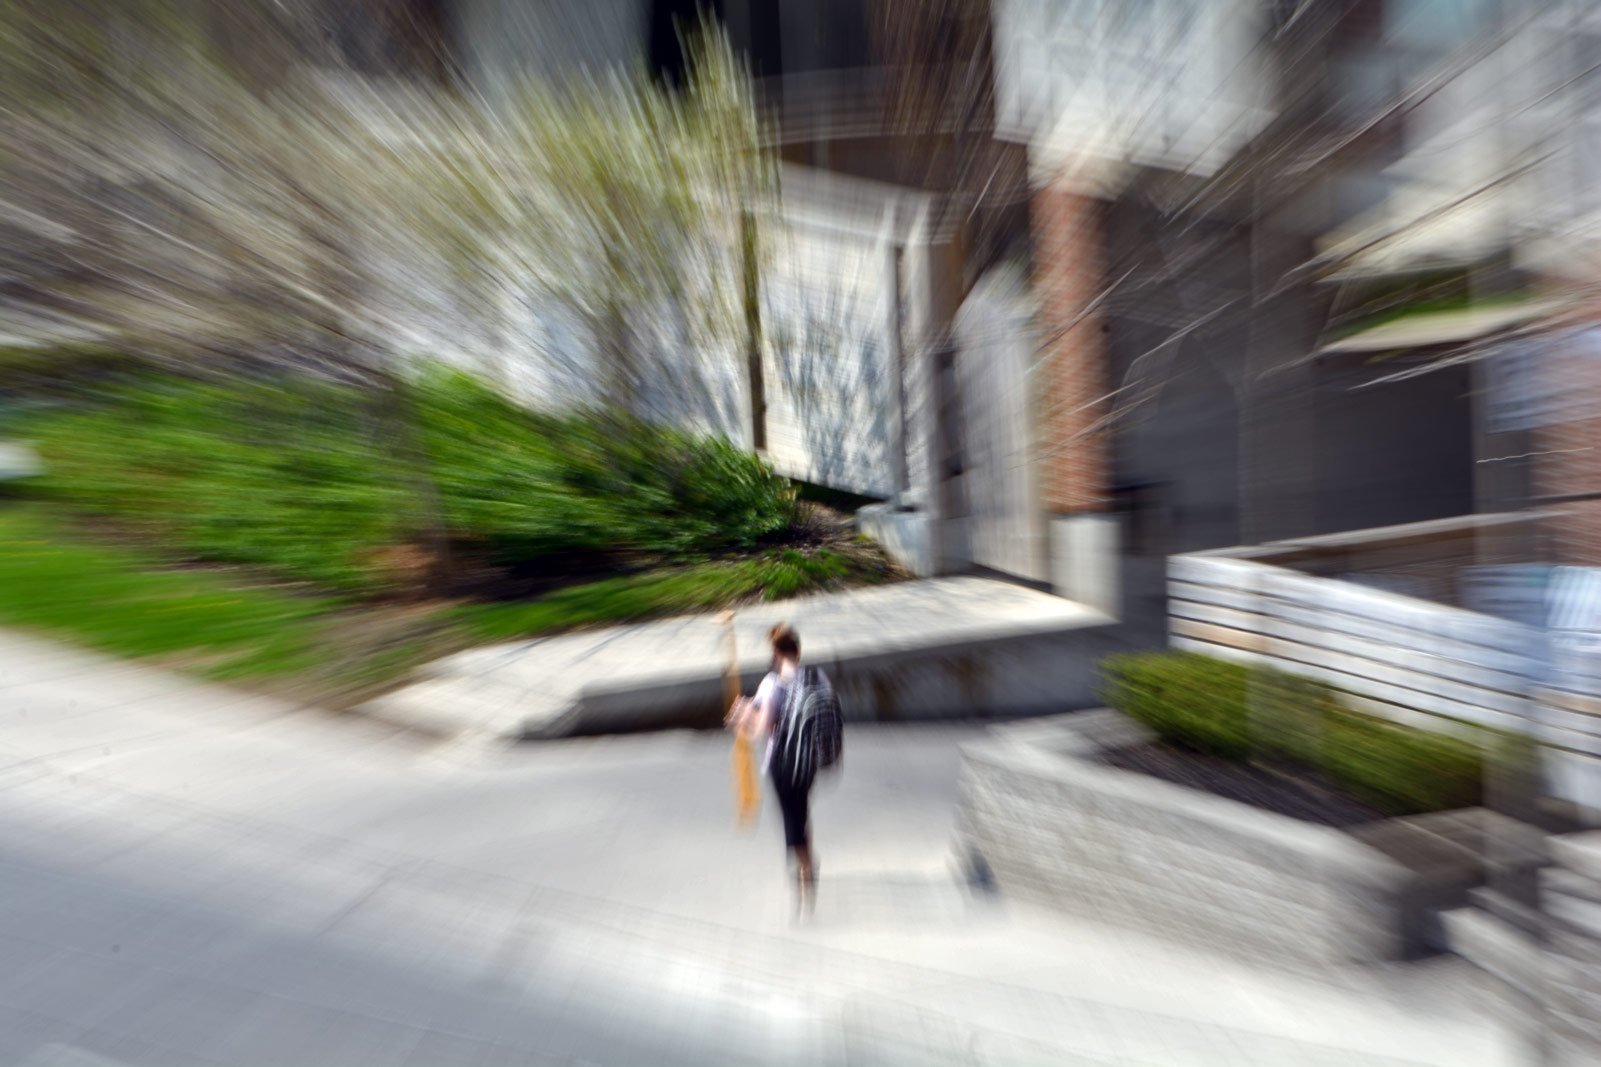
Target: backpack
[(812, 732)]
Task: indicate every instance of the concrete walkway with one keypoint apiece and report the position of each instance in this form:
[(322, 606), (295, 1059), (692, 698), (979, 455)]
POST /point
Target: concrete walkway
[(189, 878), (661, 673)]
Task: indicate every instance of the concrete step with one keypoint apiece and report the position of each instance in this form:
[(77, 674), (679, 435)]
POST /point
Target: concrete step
[(1579, 852), (1506, 844), (1574, 903), (1569, 948), (1498, 947), (1555, 881), (1521, 967), (1522, 914), (1578, 916)]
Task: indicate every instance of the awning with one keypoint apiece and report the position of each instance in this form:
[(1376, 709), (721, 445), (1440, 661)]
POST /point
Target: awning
[(1438, 328)]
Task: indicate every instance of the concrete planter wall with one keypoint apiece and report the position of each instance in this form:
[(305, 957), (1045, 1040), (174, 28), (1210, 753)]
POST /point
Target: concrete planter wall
[(906, 536), (999, 677), (1046, 821)]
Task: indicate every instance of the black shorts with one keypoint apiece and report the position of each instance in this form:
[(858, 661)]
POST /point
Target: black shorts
[(794, 804)]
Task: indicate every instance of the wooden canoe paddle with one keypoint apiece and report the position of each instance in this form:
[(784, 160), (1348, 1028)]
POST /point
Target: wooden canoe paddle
[(747, 790)]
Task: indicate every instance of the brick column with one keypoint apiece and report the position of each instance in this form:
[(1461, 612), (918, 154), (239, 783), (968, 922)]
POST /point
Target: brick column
[(1070, 387), (1072, 378)]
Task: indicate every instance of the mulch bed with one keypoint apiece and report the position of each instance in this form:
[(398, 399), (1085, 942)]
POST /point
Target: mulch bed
[(1283, 792)]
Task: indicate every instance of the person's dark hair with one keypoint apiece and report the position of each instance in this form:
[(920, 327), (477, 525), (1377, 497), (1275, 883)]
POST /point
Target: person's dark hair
[(785, 641)]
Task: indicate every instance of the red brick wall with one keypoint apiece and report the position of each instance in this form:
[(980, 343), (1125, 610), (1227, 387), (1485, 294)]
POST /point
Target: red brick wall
[(1075, 464)]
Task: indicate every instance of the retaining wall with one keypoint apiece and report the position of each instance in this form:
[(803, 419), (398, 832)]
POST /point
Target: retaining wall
[(1042, 819)]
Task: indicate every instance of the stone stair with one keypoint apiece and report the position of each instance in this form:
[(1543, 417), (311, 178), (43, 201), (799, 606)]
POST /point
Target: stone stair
[(1571, 895), (1541, 938)]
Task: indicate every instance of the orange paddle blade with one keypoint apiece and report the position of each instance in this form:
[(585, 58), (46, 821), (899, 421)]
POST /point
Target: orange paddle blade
[(747, 790)]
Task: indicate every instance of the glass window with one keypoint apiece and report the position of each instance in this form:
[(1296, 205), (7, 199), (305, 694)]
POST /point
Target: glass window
[(1435, 24)]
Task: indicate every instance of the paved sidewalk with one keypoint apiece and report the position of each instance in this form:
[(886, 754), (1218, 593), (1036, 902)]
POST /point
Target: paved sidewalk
[(189, 877), (548, 686)]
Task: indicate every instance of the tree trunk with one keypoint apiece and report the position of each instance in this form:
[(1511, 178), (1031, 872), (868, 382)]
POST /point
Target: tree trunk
[(756, 384)]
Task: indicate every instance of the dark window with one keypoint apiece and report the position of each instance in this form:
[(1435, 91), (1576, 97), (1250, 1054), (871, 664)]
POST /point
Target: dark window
[(671, 21), (764, 38)]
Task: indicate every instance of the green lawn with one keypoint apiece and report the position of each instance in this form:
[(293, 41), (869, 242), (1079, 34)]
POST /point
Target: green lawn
[(122, 601), (668, 591), (58, 581), (322, 483), (279, 532)]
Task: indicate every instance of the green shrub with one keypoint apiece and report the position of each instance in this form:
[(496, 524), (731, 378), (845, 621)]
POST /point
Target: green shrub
[(771, 575), (1257, 714), (532, 484), (305, 478), (1400, 770), (1190, 701), (511, 480)]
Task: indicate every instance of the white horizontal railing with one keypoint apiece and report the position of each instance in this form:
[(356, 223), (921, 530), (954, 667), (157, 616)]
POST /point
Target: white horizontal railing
[(1399, 656)]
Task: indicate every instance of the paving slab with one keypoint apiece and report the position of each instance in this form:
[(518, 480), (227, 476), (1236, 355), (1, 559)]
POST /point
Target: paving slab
[(300, 888)]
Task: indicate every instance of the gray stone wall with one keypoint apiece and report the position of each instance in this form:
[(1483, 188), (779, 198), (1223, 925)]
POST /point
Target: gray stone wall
[(1543, 953), (1045, 822), (1571, 894)]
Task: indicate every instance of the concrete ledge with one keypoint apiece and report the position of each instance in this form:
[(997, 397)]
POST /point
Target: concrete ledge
[(906, 536), (955, 647), (1574, 777), (1014, 672), (1084, 560), (1043, 819)]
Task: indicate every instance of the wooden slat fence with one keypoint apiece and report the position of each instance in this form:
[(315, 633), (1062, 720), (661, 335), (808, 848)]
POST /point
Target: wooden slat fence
[(1412, 660), (1406, 658)]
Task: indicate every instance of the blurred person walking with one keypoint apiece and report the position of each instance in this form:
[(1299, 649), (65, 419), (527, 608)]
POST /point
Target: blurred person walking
[(795, 711)]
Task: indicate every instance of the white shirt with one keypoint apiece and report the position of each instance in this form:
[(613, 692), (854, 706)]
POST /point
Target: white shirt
[(770, 697)]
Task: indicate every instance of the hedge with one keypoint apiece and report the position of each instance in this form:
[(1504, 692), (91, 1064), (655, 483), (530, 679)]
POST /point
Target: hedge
[(1260, 715)]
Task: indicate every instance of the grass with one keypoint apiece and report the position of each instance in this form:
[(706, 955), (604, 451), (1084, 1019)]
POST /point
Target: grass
[(773, 575), (119, 600), (56, 579), (322, 483), (267, 532)]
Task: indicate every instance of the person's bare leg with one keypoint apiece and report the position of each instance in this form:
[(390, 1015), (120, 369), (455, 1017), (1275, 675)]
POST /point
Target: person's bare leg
[(798, 881), (806, 876)]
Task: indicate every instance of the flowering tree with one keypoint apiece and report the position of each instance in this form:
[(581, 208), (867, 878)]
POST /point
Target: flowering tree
[(207, 185), (185, 183)]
